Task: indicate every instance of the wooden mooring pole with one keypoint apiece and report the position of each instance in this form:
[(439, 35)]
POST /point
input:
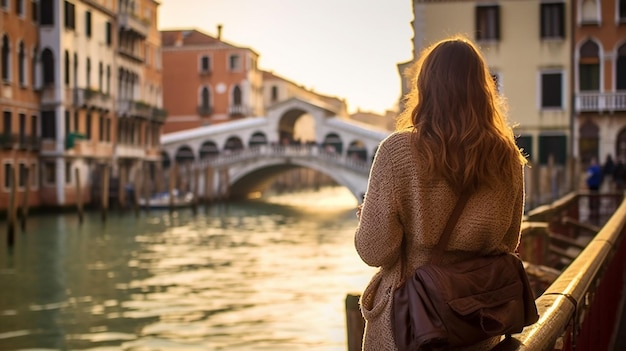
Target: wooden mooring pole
[(173, 174), (105, 192), (354, 322), (79, 196), (196, 182), (208, 187), (24, 214), (12, 211)]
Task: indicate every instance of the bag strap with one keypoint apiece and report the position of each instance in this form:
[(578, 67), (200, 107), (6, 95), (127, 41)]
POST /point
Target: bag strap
[(445, 236)]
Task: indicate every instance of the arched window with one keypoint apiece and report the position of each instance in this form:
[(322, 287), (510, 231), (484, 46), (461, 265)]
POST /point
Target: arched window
[(47, 59), (6, 58), (88, 80), (237, 95), (21, 64), (589, 67), (621, 68), (205, 101), (67, 68)]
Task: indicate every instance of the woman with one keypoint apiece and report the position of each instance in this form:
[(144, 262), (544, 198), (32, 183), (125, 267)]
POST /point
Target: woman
[(452, 137)]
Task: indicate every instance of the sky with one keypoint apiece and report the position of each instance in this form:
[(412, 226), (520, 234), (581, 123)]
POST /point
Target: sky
[(343, 48)]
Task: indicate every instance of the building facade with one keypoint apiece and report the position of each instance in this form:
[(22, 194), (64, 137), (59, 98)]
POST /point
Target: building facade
[(527, 45), (87, 95), (207, 80), (599, 79), (19, 102)]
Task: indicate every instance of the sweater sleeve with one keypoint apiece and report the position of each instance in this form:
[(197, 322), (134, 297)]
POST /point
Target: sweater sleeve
[(512, 238), (379, 234)]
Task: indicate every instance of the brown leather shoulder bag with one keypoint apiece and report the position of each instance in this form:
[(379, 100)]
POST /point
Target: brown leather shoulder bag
[(460, 304)]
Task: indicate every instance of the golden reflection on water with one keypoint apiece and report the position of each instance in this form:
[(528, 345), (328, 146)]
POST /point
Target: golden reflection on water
[(269, 274)]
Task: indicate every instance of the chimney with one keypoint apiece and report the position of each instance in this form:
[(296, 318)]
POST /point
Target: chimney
[(219, 32)]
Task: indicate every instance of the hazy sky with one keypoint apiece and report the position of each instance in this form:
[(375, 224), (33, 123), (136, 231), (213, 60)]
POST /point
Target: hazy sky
[(343, 48)]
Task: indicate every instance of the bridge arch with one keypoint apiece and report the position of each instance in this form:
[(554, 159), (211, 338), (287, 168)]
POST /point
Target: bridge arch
[(259, 173)]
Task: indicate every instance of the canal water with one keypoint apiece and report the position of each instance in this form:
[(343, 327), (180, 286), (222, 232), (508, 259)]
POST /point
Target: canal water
[(268, 274)]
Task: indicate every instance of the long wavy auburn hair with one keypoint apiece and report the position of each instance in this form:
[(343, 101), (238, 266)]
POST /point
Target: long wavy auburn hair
[(459, 119)]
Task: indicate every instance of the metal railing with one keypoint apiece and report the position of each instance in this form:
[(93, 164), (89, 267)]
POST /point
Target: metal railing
[(579, 310), (303, 152)]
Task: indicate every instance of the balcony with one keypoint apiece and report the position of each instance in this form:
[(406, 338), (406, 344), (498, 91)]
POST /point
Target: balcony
[(159, 115), (238, 110), (600, 102), (19, 142), (205, 111), (129, 22), (131, 108), (92, 98)]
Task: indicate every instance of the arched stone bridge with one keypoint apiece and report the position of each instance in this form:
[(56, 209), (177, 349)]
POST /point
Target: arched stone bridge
[(244, 156)]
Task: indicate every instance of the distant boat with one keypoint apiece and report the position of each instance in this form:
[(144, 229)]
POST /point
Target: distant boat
[(162, 200)]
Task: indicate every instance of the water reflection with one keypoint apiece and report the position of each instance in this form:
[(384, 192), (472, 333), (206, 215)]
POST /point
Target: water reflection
[(269, 275)]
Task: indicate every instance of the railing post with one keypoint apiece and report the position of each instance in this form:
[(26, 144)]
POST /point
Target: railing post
[(354, 322)]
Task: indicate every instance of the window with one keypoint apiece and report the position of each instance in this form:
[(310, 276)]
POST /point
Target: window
[(23, 175), (76, 129), (7, 118), (4, 3), (88, 77), (107, 32), (48, 125), (33, 175), (6, 58), (19, 7), (47, 12), (552, 145), (21, 64), (68, 172), (101, 128), (622, 11), (49, 172), (233, 63), (205, 64), (108, 84), (525, 144), (67, 68), (488, 22), (8, 175), (237, 95), (88, 24), (206, 97), (70, 13), (552, 20), (589, 67), (68, 124), (22, 125), (100, 76), (34, 10), (88, 126), (47, 58), (621, 68), (33, 126), (551, 90), (274, 93)]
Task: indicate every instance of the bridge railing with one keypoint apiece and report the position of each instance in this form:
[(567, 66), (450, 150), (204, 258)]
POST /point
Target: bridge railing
[(308, 152), (579, 310)]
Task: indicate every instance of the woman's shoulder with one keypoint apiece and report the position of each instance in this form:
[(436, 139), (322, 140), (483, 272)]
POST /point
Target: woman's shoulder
[(397, 139)]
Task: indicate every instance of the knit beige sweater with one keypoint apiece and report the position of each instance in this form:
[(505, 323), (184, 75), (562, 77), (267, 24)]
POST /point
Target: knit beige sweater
[(400, 200)]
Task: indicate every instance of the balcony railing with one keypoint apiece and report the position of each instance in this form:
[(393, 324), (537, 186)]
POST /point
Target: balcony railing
[(92, 98), (205, 111), (128, 21), (600, 102), (238, 110), (19, 142), (130, 108)]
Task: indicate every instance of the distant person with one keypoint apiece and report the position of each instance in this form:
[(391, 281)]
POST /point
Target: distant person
[(448, 139), (594, 180), (607, 170), (619, 174)]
